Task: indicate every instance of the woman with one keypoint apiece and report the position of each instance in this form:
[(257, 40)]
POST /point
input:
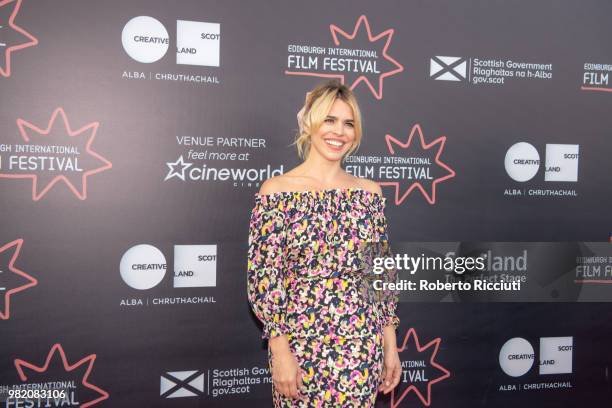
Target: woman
[(328, 343)]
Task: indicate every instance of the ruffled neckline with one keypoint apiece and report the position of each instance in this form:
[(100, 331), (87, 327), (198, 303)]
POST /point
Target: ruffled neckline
[(310, 195)]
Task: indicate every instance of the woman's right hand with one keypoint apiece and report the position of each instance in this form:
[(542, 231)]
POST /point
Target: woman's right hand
[(286, 373)]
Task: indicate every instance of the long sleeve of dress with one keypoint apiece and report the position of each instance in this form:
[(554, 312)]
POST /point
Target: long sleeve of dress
[(387, 306), (265, 281)]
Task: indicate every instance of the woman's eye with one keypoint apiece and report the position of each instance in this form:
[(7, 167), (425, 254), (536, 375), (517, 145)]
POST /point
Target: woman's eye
[(351, 125), (328, 120)]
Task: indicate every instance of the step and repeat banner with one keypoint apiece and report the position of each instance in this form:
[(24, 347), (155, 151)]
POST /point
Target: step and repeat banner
[(134, 135)]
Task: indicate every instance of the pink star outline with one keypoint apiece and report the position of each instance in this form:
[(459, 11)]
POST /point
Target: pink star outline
[(335, 30), (436, 344), (416, 129), (18, 243), (19, 364), (11, 22), (91, 127)]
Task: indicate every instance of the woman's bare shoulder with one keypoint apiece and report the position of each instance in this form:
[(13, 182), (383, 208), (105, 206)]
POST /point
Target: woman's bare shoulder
[(273, 185), (368, 184)]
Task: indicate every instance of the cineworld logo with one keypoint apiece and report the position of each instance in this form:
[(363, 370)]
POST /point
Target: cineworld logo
[(146, 40), (517, 356), (186, 171), (522, 162)]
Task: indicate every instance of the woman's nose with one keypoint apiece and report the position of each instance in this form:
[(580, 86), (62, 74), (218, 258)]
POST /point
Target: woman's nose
[(339, 128)]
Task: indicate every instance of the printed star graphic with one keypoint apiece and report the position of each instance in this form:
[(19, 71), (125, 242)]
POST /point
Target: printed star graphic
[(386, 36), (60, 132), (89, 361), (439, 142), (13, 40), (426, 400), (16, 247), (177, 173)]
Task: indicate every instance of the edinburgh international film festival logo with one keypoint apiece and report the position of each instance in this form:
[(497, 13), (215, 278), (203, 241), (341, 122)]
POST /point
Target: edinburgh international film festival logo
[(420, 371), (353, 56), (13, 38), (147, 41), (58, 381), (414, 165), (52, 154), (12, 279), (596, 77)]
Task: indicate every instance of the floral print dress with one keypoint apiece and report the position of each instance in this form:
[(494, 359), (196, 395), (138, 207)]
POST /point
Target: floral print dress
[(304, 280)]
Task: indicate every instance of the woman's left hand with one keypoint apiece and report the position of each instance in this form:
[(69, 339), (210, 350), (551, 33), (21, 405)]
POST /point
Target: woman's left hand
[(392, 370)]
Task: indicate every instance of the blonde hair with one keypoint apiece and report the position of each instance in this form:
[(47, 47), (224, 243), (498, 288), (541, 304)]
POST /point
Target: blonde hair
[(316, 107)]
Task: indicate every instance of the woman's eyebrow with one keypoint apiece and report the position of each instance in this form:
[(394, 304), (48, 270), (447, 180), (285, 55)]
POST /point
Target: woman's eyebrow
[(334, 117)]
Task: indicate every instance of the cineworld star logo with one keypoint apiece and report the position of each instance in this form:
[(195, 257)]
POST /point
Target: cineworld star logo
[(53, 154), (419, 369), (177, 169), (51, 365), (356, 57), (12, 280), (414, 166), (12, 37)]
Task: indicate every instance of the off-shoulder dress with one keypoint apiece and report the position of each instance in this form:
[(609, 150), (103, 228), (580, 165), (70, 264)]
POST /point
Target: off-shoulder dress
[(304, 280)]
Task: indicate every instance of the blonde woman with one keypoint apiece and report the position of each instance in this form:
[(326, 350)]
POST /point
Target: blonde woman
[(329, 345)]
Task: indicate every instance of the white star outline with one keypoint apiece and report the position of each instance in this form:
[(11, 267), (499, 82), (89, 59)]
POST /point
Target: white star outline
[(177, 173)]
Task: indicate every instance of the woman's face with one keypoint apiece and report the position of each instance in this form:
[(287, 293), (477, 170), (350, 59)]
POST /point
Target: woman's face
[(336, 134)]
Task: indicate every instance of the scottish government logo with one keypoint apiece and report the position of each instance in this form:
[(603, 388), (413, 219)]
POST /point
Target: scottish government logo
[(492, 71), (215, 383)]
